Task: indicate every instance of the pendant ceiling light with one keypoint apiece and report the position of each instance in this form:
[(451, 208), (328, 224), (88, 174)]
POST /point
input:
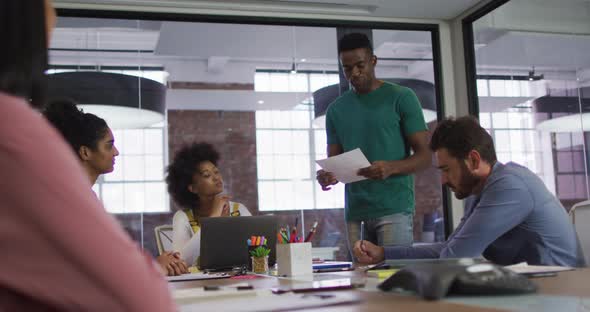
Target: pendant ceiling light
[(124, 101), (567, 113), (533, 77)]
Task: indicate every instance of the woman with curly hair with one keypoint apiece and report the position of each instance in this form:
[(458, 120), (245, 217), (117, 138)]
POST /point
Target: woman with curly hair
[(195, 183), (89, 136), (92, 141)]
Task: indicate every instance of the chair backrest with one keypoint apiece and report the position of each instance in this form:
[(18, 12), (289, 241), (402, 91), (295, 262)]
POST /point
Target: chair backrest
[(572, 212), (580, 215), (163, 238)]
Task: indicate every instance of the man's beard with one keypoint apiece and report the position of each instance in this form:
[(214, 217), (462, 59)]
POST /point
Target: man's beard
[(467, 183)]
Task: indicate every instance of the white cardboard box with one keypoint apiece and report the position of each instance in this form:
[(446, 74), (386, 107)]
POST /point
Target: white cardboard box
[(294, 259)]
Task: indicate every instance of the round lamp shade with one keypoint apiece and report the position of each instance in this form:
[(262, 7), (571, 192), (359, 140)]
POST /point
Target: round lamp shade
[(124, 101), (569, 113)]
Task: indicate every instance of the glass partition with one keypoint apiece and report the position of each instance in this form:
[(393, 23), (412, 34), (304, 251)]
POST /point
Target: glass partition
[(533, 82), (249, 90)]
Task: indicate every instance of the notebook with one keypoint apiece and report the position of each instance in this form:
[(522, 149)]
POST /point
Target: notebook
[(197, 276), (332, 265), (224, 240)]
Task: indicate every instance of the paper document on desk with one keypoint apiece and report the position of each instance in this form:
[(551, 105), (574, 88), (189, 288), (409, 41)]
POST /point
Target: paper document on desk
[(262, 300), (524, 268), (197, 294), (346, 165)]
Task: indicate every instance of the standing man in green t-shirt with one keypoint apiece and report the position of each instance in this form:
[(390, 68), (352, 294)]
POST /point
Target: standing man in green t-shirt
[(385, 121)]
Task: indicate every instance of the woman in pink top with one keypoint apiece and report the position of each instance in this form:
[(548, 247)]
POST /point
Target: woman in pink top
[(61, 250)]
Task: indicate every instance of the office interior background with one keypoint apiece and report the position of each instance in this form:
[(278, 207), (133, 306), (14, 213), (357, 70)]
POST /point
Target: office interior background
[(254, 78)]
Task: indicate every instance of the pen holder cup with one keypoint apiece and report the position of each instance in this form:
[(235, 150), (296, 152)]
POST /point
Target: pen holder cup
[(294, 259), (260, 264)]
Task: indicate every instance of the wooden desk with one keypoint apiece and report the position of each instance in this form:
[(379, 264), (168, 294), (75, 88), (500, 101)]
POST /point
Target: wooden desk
[(571, 283)]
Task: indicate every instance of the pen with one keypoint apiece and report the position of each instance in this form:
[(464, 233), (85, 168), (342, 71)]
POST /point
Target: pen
[(279, 238), (311, 232), (285, 236), (293, 238), (362, 233)]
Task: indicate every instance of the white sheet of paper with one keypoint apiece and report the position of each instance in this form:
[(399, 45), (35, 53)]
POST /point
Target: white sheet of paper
[(345, 166), (196, 294), (196, 276), (524, 268), (257, 300)]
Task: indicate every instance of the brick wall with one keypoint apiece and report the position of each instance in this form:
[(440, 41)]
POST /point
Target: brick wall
[(234, 136), (428, 193)]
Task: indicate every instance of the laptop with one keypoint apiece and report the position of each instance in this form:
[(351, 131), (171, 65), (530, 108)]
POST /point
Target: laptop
[(224, 240)]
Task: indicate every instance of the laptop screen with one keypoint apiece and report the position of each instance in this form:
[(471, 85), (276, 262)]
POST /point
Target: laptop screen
[(224, 240)]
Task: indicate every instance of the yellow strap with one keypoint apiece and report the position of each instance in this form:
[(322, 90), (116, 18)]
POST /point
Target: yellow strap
[(192, 221), (235, 212)]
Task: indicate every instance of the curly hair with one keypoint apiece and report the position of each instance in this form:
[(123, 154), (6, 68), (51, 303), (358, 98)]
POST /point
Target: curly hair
[(78, 128), (182, 169), (462, 135)]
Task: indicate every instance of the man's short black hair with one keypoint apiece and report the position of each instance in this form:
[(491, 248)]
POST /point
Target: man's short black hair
[(462, 135), (354, 41)]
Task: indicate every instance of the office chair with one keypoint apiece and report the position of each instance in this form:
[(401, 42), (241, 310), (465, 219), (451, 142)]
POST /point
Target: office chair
[(163, 238), (582, 205), (580, 216)]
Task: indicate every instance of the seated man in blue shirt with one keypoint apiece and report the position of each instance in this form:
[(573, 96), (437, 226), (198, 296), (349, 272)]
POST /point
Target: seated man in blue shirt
[(510, 215)]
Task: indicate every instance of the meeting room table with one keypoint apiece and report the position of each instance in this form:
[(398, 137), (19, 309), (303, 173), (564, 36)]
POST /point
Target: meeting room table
[(569, 291)]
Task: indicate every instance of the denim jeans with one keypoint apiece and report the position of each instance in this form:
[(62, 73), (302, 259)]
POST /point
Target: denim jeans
[(395, 229)]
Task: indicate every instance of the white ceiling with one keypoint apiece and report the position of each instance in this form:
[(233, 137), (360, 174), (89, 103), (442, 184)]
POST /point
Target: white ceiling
[(423, 9), (231, 53), (228, 53), (553, 37), (420, 9), (263, 46), (519, 35)]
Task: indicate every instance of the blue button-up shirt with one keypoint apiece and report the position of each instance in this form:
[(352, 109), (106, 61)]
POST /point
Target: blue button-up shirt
[(514, 219)]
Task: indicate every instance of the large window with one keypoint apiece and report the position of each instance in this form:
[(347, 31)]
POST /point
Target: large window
[(532, 88), (137, 183), (288, 144)]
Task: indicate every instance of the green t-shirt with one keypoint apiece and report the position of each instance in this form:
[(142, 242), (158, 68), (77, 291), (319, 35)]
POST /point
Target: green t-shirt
[(378, 123)]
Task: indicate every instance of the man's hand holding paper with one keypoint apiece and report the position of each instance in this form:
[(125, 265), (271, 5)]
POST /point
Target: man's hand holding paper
[(378, 170), (343, 168)]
